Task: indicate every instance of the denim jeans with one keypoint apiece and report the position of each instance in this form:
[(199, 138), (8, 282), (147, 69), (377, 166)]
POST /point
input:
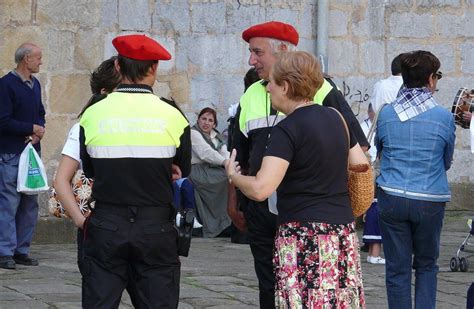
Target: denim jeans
[(18, 212), (410, 228)]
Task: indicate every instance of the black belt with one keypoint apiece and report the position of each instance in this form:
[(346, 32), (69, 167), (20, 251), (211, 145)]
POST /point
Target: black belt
[(150, 212)]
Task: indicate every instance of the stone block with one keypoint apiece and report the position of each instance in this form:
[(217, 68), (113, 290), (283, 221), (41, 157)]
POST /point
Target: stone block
[(373, 57), (467, 59), (52, 143), (109, 49), (13, 37), (169, 43), (109, 14), (357, 91), (231, 90), (459, 171), (205, 91), (296, 5), (307, 26), (438, 3), (161, 89), (284, 15), (339, 21), (59, 51), (399, 3), (179, 88), (445, 52), (455, 26), (221, 54), (448, 88), (67, 15), (68, 93), (241, 17), (411, 25), (88, 54), (307, 45), (15, 12), (171, 16), (343, 57), (345, 2), (134, 15), (51, 230), (372, 22), (204, 22)]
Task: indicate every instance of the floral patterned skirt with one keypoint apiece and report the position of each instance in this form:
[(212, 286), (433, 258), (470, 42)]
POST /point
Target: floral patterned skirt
[(317, 265)]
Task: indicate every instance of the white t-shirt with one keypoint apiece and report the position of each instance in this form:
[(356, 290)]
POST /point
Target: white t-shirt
[(203, 152), (71, 147), (365, 125), (385, 91)]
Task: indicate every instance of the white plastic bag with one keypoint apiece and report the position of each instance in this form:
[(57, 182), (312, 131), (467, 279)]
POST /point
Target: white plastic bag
[(272, 203), (31, 172)]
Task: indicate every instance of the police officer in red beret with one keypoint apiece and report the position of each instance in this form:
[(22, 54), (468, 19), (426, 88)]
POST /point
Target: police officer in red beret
[(254, 121), (129, 141)]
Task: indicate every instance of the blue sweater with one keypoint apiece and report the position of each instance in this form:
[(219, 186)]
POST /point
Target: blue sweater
[(20, 108)]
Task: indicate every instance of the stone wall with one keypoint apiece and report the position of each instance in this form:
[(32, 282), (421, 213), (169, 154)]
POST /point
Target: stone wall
[(210, 58)]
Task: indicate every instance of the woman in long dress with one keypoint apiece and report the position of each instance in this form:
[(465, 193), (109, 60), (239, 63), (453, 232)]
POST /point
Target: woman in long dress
[(208, 174)]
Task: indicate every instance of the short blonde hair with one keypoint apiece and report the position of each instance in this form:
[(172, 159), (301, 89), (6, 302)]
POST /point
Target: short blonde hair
[(301, 71)]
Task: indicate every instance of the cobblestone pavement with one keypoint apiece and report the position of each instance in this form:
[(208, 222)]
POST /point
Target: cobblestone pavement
[(217, 274)]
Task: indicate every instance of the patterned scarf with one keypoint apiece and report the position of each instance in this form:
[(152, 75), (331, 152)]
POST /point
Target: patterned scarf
[(411, 102), (208, 138)]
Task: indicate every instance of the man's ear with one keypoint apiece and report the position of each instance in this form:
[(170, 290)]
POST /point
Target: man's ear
[(283, 47), (153, 68), (116, 65)]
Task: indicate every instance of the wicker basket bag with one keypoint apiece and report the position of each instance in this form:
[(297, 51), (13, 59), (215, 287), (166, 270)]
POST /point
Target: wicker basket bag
[(360, 182)]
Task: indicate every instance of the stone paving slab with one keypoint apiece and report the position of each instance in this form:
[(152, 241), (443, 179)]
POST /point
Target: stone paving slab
[(217, 274)]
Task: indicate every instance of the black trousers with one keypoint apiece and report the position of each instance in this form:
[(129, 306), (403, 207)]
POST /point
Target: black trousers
[(262, 228), (123, 244), (131, 288)]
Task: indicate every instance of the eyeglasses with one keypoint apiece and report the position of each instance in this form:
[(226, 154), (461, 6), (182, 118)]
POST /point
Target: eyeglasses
[(439, 75)]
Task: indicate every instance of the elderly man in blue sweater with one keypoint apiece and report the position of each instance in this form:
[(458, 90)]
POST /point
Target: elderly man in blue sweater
[(22, 119)]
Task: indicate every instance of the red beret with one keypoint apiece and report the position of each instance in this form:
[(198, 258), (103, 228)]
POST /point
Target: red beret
[(140, 47), (272, 29)]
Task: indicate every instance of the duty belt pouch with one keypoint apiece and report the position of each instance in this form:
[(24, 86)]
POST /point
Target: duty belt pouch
[(184, 225)]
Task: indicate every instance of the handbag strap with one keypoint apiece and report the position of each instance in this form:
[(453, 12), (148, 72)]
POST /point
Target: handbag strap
[(374, 123), (347, 133)]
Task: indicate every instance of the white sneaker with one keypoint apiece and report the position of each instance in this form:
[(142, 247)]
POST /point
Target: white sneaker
[(375, 260), (196, 224)]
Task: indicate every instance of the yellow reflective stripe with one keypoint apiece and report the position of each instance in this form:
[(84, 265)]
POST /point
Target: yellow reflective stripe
[(115, 152), (262, 123), (252, 105), (322, 92)]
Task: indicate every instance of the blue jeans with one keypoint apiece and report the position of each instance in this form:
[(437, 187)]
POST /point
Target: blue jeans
[(183, 194), (410, 228), (18, 212)]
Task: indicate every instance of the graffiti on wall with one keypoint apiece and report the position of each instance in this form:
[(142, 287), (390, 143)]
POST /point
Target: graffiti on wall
[(355, 97)]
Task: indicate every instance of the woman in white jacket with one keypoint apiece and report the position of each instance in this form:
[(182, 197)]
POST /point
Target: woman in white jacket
[(208, 174)]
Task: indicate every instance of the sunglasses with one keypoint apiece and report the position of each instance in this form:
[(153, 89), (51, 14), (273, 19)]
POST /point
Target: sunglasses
[(439, 75)]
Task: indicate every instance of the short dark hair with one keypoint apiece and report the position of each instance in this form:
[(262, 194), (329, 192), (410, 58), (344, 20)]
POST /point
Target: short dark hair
[(397, 64), (105, 77), (417, 67), (250, 77), (134, 70), (211, 111)]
